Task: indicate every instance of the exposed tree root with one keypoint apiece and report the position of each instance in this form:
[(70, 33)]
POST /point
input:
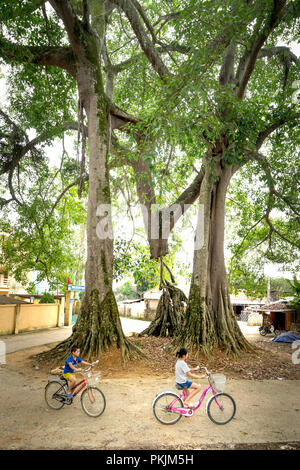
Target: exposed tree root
[(203, 329), (169, 312), (98, 327)]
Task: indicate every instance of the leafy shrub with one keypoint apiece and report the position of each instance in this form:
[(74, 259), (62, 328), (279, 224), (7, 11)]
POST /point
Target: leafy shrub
[(47, 298)]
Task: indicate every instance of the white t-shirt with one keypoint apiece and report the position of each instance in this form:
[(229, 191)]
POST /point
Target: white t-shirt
[(181, 369)]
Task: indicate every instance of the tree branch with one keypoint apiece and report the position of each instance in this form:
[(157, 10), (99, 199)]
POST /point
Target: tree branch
[(66, 189), (285, 55), (262, 160), (65, 11), (249, 58), (263, 135), (16, 11), (227, 68), (62, 57), (146, 45), (272, 228)]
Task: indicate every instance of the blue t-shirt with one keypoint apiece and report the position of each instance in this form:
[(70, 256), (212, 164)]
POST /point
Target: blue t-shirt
[(73, 361)]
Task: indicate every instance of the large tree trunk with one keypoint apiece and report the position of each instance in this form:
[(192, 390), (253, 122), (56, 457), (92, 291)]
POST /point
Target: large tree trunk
[(98, 325), (209, 321)]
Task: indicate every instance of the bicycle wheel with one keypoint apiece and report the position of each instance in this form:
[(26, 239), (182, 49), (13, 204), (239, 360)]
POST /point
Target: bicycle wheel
[(54, 392), (161, 408), (263, 332), (93, 402), (224, 414)]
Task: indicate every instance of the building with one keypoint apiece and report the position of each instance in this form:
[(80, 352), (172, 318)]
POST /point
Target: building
[(9, 285), (242, 306), (151, 298), (145, 307), (282, 315)]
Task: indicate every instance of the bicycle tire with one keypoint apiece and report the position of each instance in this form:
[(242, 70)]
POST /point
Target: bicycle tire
[(213, 409), (160, 405), (88, 399), (51, 389), (263, 332)]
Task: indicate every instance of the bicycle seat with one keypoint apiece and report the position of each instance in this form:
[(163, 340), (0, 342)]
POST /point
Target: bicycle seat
[(178, 387), (62, 378)]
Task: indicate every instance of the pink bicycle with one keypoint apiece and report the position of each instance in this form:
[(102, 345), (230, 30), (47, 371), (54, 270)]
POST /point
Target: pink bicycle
[(168, 406)]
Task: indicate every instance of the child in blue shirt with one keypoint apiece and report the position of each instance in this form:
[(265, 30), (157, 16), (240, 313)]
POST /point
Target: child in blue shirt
[(70, 368)]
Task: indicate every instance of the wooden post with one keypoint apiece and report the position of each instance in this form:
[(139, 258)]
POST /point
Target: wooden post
[(17, 315), (287, 321), (58, 312), (68, 310)]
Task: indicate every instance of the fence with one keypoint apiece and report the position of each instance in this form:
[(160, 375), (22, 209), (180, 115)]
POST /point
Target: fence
[(16, 318)]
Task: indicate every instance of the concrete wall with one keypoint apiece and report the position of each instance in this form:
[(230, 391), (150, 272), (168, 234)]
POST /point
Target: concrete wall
[(135, 310), (23, 317), (7, 319), (255, 319)]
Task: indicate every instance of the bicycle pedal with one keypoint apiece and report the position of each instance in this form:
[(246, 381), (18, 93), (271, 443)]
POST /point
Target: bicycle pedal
[(68, 400)]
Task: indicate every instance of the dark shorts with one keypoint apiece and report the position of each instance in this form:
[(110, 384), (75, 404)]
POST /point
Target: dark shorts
[(187, 384)]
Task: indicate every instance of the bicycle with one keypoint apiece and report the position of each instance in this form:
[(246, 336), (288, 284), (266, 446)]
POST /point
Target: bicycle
[(92, 398), (168, 406), (269, 328)]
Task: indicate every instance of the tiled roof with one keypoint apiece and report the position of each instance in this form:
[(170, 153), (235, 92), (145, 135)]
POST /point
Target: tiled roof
[(276, 307), (6, 300)]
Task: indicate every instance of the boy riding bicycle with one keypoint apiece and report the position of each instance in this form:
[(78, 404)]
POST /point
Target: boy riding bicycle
[(70, 368)]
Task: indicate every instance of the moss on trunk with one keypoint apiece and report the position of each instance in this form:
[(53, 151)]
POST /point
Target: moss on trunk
[(204, 328), (209, 320)]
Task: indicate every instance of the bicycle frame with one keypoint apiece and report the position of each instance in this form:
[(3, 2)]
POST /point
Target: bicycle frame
[(84, 384), (191, 411)]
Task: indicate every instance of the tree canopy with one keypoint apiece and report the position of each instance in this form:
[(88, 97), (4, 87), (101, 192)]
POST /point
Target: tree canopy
[(177, 100)]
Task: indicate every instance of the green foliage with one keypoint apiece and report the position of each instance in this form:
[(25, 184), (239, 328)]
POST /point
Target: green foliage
[(44, 230), (280, 287), (133, 260), (249, 278), (295, 287), (47, 298), (126, 291), (249, 237)]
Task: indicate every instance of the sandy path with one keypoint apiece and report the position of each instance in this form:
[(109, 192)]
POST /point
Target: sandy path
[(267, 411)]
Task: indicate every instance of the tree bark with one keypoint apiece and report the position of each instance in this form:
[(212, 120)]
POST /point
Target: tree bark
[(98, 325), (209, 320)]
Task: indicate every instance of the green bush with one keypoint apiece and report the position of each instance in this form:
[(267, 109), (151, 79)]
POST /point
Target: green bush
[(295, 287), (47, 298)]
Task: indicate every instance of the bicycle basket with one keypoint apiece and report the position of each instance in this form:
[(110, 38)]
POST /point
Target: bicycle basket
[(218, 382), (93, 379)]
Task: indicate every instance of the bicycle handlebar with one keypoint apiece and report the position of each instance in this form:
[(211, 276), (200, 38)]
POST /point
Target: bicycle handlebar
[(206, 371), (89, 367)]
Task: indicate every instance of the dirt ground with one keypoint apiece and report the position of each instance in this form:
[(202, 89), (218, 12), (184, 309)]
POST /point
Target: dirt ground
[(265, 386)]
